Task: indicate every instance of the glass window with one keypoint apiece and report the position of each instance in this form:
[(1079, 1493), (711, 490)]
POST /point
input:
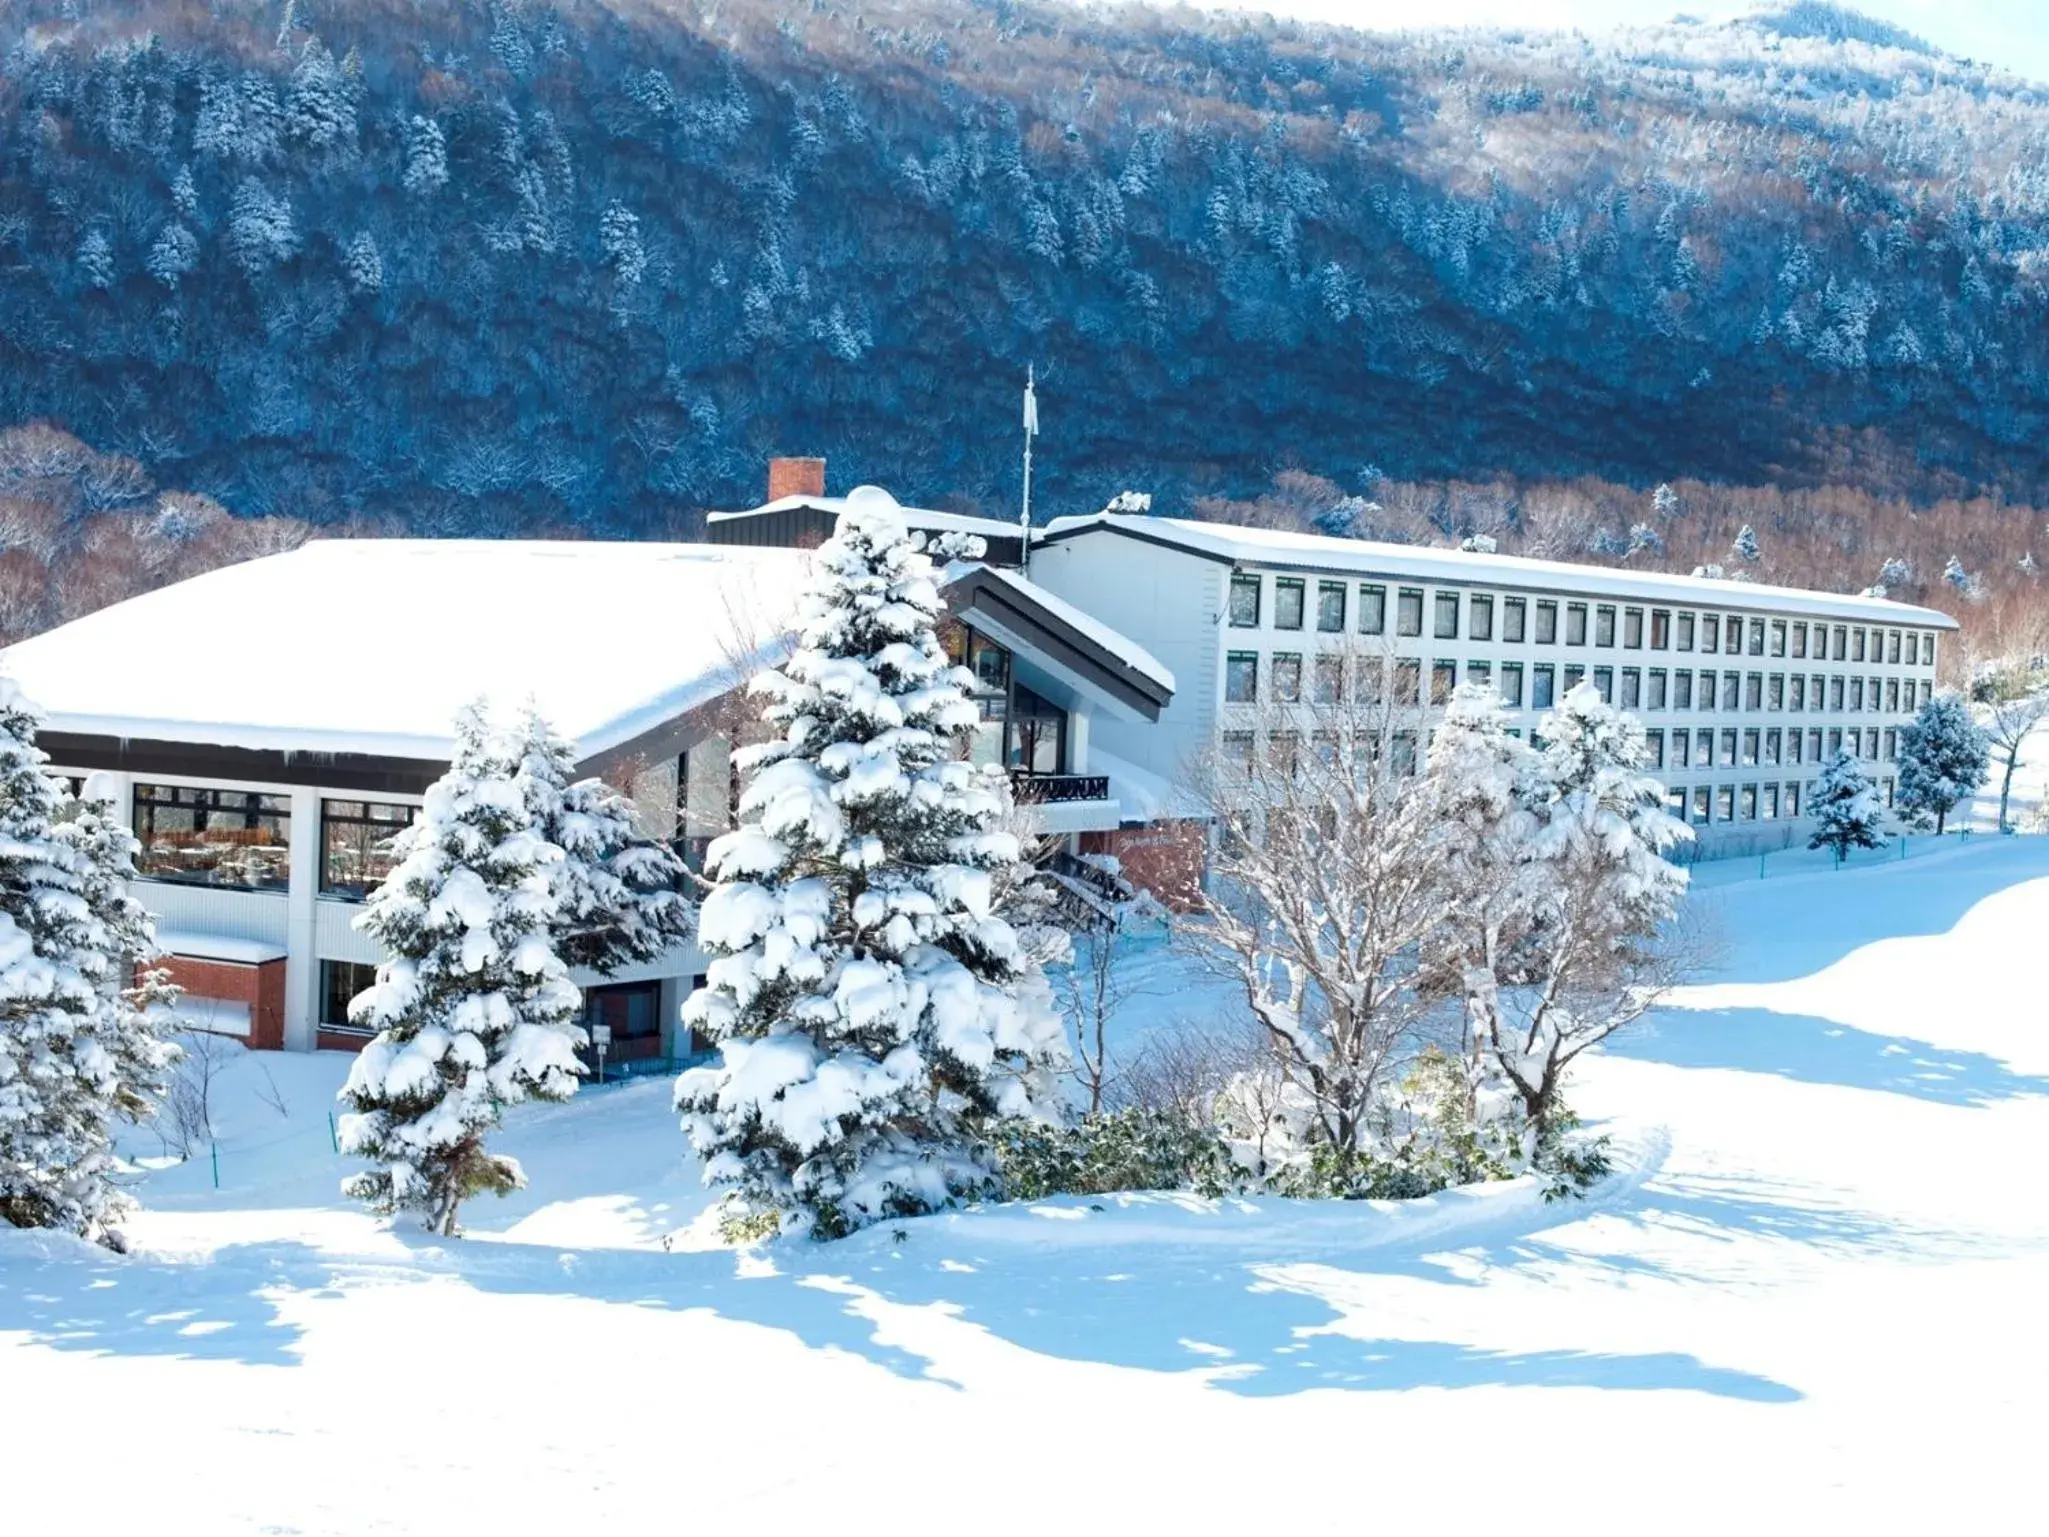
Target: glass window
[(631, 1012), (1330, 607), (1775, 691), (1654, 743), (1408, 683), (1575, 624), (1792, 800), (355, 844), (1480, 619), (1725, 804), (1927, 690), (1913, 647), (1710, 632), (1512, 610), (1571, 677), (1727, 758), (1654, 689), (1547, 622), (1604, 625), (1402, 753), (1542, 678), (1892, 646), (1373, 680), (1892, 696), (1685, 642), (1682, 690), (1749, 758), (1632, 689), (1238, 749), (1771, 745), (1799, 699), (1632, 628), (1793, 746), (1510, 686), (339, 982), (1288, 603), (1675, 802), (1839, 646), (1814, 744), (1479, 672), (1682, 744), (1891, 751), (1778, 637), (1731, 682), (1037, 739), (1753, 691), (207, 837), (1799, 640), (1750, 803), (1328, 682), (1661, 629), (1443, 679), (1244, 601), (1372, 610), (1408, 611), (1604, 684), (1817, 692), (1241, 677), (1756, 636), (1700, 804), (1285, 679), (1856, 693), (1835, 693), (1857, 644), (1835, 741), (1703, 748), (1445, 623), (1770, 809)]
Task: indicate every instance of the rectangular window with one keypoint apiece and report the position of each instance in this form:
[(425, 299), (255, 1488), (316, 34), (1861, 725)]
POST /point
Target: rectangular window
[(1710, 632), (1654, 689), (1285, 679), (1547, 622), (1799, 640), (1244, 601), (1682, 745), (1749, 759), (201, 836), (1604, 684), (1792, 800), (1408, 683), (1792, 746), (1725, 804), (1479, 672), (1682, 690), (1511, 685), (1675, 802), (1480, 619), (1753, 691), (1373, 680), (1575, 624), (1756, 636), (1632, 689), (1685, 630), (1892, 646), (1857, 644), (1798, 701), (1727, 758), (1541, 679), (1927, 691), (1856, 694), (1775, 691), (1707, 690), (1288, 592), (1703, 748), (355, 844), (1328, 681), (1443, 679), (1839, 644), (1445, 623), (1771, 745), (1770, 809), (1892, 745), (1238, 750), (1835, 741), (1913, 647), (1750, 803), (1778, 637), (1604, 625), (1654, 744), (1513, 611), (1700, 804), (1241, 677), (1817, 692), (1632, 628), (1892, 696), (1408, 611), (1731, 684), (1372, 610), (1571, 678), (339, 982), (1403, 754), (1661, 629), (1814, 744), (1330, 607), (1835, 694)]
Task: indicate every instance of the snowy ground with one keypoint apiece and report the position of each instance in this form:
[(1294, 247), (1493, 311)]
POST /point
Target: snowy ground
[(1816, 1295)]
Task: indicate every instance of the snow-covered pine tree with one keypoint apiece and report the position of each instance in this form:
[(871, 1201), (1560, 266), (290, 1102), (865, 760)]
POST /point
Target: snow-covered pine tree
[(1745, 547), (618, 893), (876, 1015), (78, 1046), (1845, 808), (1943, 758), (474, 1011)]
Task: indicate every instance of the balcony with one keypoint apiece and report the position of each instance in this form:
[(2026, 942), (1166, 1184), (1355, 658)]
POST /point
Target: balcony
[(1055, 789)]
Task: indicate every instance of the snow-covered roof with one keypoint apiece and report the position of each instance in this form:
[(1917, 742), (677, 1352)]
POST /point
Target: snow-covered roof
[(198, 946), (923, 519), (1320, 552), (372, 645), (1118, 644), (1140, 794)]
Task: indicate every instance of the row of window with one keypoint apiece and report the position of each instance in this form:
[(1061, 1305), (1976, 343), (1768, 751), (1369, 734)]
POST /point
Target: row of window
[(1704, 804), (1754, 745), (202, 836), (1474, 615), (1639, 688)]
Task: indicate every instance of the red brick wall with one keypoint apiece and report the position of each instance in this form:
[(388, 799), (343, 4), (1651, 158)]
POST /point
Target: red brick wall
[(795, 477), (260, 987), (1165, 858), (340, 1040)]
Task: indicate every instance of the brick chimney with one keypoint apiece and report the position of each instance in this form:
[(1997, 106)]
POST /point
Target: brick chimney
[(795, 477)]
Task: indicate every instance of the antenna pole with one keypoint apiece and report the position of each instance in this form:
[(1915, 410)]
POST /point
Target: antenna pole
[(1031, 427)]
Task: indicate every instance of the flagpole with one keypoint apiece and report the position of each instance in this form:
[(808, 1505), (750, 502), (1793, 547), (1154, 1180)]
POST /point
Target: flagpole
[(1031, 426)]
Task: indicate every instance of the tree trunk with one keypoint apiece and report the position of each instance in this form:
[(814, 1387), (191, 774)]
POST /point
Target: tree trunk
[(2006, 785), (1941, 816)]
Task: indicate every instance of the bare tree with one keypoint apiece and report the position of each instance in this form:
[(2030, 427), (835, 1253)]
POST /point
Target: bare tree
[(1093, 990), (2019, 704)]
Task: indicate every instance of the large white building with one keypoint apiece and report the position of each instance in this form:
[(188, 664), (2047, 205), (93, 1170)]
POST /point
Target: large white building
[(272, 724)]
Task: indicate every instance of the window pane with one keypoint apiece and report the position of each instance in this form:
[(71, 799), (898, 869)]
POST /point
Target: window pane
[(1547, 623), (1575, 624), (1245, 602), (1799, 640), (1682, 690), (1330, 606), (1661, 629), (1511, 685), (1685, 632), (1287, 603), (1632, 627), (1372, 610), (1408, 613), (1287, 676), (1446, 625), (1757, 637), (1443, 679), (1541, 685), (210, 837), (1512, 617), (1481, 622), (1329, 680), (1654, 693), (1778, 637), (1710, 632), (1241, 677), (339, 982), (355, 839), (1604, 625)]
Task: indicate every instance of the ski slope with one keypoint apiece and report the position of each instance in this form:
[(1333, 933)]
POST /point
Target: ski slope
[(1812, 1296)]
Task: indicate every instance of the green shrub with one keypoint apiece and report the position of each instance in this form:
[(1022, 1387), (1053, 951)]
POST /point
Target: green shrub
[(1118, 1150)]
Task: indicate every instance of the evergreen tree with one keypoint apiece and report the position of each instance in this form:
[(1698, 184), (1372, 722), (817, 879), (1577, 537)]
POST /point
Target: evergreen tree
[(1845, 808), (1745, 547), (79, 1044), (876, 1014), (1943, 758), (618, 893), (474, 1011)]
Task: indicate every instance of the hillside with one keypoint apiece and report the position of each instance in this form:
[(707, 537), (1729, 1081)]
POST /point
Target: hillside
[(482, 266)]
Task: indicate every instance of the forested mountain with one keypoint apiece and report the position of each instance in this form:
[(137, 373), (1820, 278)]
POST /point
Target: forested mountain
[(483, 265)]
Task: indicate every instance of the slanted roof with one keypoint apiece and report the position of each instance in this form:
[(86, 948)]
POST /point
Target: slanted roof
[(920, 519), (372, 645), (1054, 633), (1319, 552)]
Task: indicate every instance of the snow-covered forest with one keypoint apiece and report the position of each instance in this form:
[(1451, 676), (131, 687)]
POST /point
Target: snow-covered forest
[(508, 263)]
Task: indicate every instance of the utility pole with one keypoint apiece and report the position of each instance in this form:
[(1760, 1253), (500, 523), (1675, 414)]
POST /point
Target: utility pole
[(1031, 429)]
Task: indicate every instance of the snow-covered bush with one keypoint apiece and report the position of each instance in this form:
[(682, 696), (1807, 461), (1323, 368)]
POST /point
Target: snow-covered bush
[(1128, 1149), (474, 1011), (1943, 758), (1845, 807), (876, 1014), (80, 1039)]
